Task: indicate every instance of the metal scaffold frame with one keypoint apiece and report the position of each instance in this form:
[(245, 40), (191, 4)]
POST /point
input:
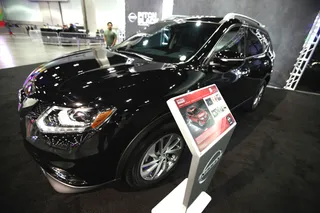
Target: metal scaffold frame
[(305, 55)]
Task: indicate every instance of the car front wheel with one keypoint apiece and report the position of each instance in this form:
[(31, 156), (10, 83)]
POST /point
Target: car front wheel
[(155, 158)]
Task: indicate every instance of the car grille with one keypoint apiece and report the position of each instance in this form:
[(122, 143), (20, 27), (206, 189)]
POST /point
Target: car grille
[(39, 108), (66, 141), (63, 141)]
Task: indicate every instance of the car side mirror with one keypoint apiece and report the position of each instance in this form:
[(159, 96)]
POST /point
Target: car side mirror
[(224, 61)]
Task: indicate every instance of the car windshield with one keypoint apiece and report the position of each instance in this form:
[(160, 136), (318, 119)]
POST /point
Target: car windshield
[(196, 111), (172, 43)]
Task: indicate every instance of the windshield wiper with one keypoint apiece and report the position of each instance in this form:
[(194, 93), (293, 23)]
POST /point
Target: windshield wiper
[(136, 54)]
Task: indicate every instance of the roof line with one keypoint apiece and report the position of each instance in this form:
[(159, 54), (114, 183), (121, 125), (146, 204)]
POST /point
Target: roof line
[(241, 18)]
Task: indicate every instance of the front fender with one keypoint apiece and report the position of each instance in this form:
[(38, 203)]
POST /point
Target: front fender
[(124, 158)]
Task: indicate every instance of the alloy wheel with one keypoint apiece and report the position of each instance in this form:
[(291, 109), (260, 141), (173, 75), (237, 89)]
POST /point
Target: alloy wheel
[(161, 156)]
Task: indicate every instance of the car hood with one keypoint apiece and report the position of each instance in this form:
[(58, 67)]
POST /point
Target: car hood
[(201, 114), (99, 76)]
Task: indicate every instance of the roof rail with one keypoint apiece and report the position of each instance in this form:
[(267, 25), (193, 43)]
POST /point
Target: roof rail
[(242, 18)]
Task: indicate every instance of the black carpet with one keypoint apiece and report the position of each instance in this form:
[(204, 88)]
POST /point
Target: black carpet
[(310, 81), (272, 163)]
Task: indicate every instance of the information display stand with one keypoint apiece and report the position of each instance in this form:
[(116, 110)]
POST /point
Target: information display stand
[(206, 124)]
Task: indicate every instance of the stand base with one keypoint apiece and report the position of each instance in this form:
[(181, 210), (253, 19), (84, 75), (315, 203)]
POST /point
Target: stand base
[(173, 202)]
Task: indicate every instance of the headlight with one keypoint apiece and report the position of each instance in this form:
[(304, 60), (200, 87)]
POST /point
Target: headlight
[(68, 120)]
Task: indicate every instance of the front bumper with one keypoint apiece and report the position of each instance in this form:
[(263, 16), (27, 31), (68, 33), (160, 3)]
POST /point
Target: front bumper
[(88, 163), (84, 174), (62, 187)]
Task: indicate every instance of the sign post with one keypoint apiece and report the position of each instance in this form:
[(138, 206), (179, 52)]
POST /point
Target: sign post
[(206, 124)]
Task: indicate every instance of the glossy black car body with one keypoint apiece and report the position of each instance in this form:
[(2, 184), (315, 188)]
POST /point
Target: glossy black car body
[(137, 86)]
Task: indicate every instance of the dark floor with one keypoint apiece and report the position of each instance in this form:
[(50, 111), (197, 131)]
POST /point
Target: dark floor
[(310, 80), (272, 163)]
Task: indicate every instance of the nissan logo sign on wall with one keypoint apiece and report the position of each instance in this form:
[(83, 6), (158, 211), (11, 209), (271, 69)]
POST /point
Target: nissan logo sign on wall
[(132, 17), (144, 18), (211, 163)]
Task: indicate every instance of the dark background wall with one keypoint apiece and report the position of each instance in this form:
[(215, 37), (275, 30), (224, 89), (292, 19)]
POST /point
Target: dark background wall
[(288, 22), (135, 6)]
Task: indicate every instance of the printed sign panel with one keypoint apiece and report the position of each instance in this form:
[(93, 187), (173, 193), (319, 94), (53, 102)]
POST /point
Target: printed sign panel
[(205, 114), (207, 125)]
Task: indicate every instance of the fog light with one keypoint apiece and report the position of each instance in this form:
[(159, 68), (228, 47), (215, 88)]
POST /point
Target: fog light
[(60, 173), (67, 177)]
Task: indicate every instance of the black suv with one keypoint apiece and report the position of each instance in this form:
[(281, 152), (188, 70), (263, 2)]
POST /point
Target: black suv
[(100, 115)]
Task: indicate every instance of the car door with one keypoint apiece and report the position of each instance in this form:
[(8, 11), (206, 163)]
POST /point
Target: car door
[(224, 67), (257, 62)]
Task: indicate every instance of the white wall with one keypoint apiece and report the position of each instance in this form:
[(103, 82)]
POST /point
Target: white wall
[(55, 13), (105, 11), (22, 10), (91, 14), (45, 13), (110, 10), (50, 13), (72, 12), (167, 8)]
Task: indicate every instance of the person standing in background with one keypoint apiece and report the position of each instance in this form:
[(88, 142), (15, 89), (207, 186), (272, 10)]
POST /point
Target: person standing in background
[(72, 28), (110, 37), (28, 29), (9, 29), (97, 33)]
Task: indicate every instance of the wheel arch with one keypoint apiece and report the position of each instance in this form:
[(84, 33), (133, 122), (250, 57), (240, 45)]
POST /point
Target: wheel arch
[(267, 79), (125, 156)]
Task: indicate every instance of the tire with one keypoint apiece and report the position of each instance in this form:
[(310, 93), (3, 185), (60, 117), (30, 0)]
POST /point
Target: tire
[(255, 101), (137, 168)]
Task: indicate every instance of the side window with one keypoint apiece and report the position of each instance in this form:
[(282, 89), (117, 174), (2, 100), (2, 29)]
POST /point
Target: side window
[(231, 45), (165, 36), (256, 42)]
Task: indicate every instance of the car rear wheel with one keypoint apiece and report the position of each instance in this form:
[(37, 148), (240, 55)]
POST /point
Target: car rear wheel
[(156, 158), (254, 102)]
